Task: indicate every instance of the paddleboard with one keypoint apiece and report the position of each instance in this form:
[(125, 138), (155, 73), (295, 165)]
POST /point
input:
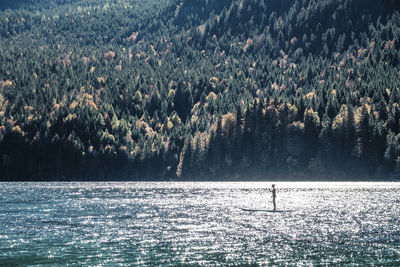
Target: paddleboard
[(261, 210)]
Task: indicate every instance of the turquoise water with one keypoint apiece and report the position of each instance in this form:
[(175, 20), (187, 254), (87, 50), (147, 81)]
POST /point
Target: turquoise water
[(199, 224)]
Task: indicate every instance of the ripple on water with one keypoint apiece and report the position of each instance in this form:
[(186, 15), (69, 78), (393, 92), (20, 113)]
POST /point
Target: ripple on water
[(199, 223)]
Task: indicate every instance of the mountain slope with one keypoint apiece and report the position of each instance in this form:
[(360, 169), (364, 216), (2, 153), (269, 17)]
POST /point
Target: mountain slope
[(201, 89)]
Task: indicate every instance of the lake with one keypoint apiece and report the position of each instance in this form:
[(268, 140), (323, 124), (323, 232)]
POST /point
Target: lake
[(199, 224)]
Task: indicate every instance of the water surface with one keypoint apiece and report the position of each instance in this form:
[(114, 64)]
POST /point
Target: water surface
[(199, 223)]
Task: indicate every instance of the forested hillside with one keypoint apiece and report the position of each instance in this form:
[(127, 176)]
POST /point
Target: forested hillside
[(199, 89)]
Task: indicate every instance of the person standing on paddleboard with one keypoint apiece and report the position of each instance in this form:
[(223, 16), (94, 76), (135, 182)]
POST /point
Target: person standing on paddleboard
[(273, 191)]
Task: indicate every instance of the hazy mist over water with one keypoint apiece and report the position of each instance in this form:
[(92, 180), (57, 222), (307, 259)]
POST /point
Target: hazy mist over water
[(199, 223)]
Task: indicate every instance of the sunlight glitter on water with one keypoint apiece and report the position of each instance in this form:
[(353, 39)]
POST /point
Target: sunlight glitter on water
[(199, 223)]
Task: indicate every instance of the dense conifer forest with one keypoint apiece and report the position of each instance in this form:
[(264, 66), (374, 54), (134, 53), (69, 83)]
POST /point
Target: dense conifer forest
[(199, 89)]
